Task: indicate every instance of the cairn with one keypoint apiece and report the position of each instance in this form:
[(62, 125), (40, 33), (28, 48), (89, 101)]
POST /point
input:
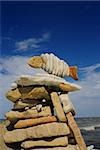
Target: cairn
[(43, 116)]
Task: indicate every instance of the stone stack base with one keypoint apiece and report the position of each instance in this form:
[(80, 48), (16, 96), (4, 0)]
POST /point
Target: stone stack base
[(42, 116)]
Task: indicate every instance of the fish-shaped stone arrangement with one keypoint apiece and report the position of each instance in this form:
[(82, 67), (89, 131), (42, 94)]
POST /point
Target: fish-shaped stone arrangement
[(42, 117), (53, 65)]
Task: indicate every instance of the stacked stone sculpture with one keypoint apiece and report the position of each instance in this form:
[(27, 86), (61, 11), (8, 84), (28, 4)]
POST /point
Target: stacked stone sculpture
[(43, 115)]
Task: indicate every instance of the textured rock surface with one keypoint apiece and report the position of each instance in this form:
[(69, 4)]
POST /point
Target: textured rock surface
[(60, 141), (67, 104), (69, 87), (27, 93), (47, 80), (36, 62), (55, 65), (33, 122), (31, 113), (40, 131), (34, 93), (20, 105), (3, 130), (76, 131), (58, 108), (13, 95)]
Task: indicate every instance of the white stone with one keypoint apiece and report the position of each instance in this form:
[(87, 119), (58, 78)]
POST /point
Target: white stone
[(67, 104), (43, 100), (55, 65), (13, 86), (39, 107), (44, 79)]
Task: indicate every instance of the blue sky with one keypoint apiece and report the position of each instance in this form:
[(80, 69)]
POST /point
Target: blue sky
[(71, 30)]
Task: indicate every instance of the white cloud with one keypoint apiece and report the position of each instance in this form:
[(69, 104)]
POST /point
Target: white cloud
[(32, 43), (86, 101), (91, 68)]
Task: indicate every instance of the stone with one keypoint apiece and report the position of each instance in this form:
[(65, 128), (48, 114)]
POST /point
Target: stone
[(58, 108), (3, 130), (13, 95), (38, 93), (26, 108), (60, 141), (68, 147), (39, 107), (13, 86), (28, 93), (32, 92), (71, 141), (47, 80), (21, 105), (30, 113), (35, 62), (34, 122), (69, 87), (73, 72), (41, 131), (76, 131), (52, 64), (67, 104)]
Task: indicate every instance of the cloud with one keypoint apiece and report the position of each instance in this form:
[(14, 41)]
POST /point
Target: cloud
[(86, 101), (32, 43), (91, 68)]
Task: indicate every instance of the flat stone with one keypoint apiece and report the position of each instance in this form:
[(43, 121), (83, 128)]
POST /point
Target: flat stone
[(32, 92), (13, 95), (47, 80), (27, 93), (60, 141), (69, 87), (76, 131), (30, 113), (34, 122), (38, 93), (58, 107), (40, 131)]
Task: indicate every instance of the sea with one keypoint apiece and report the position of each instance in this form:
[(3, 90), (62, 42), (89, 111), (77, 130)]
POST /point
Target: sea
[(90, 129)]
